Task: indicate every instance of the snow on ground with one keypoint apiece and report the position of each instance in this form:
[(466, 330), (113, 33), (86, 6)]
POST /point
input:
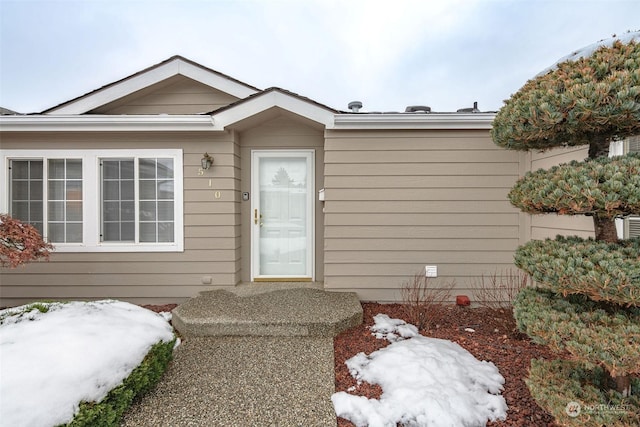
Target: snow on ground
[(77, 351), (425, 382)]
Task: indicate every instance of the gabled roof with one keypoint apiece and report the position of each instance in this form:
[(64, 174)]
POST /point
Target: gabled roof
[(7, 112), (176, 65), (269, 99), (252, 107)]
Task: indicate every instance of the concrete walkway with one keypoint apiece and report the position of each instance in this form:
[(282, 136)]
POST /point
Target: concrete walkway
[(261, 356)]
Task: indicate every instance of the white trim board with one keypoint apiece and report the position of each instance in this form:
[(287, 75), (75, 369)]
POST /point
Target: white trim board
[(150, 77)]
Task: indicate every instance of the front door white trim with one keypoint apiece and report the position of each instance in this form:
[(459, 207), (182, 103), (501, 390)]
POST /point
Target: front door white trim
[(256, 220)]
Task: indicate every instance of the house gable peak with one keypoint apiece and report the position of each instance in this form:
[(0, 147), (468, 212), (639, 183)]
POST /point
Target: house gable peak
[(176, 65), (271, 99)]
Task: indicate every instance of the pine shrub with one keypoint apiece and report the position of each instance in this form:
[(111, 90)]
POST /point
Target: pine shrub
[(572, 265), (557, 384), (594, 96), (597, 334), (588, 297), (607, 186)]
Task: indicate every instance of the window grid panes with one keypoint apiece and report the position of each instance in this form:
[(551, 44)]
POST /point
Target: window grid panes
[(27, 192), (156, 190), (64, 200), (155, 201), (89, 200), (118, 200)]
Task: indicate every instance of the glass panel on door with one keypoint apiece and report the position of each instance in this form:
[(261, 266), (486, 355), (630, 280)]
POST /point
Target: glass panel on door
[(284, 215)]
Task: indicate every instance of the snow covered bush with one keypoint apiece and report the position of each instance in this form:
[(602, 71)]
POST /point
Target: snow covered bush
[(588, 298), (109, 410), (78, 363)]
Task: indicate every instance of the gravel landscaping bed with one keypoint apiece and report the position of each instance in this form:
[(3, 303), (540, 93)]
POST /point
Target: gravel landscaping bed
[(495, 338)]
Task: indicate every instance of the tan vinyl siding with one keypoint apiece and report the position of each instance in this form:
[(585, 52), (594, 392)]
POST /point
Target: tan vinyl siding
[(177, 95), (549, 226), (397, 201), (211, 233)]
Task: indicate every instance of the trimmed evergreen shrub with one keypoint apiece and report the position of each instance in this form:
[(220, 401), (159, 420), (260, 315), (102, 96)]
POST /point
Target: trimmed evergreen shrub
[(593, 97), (597, 334), (607, 187), (572, 265), (588, 297), (109, 411), (558, 385)]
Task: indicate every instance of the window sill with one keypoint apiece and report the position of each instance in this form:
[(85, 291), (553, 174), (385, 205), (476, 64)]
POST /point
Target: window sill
[(106, 248)]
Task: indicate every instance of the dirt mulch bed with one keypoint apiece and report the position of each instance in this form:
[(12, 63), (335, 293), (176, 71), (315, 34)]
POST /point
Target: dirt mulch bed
[(495, 339), (160, 308)]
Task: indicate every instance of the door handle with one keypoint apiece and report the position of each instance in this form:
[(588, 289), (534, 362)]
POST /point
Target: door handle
[(257, 219)]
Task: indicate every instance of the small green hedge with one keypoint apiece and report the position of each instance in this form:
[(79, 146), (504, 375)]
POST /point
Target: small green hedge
[(556, 384), (570, 265), (607, 187), (109, 411), (596, 334)]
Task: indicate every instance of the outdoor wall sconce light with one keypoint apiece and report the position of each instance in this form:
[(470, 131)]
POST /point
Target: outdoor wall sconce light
[(206, 161)]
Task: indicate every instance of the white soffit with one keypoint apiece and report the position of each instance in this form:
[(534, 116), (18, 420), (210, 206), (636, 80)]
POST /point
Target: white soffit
[(414, 121), (98, 123), (150, 77), (271, 99)]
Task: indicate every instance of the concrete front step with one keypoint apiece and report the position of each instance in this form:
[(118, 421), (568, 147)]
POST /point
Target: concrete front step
[(268, 312)]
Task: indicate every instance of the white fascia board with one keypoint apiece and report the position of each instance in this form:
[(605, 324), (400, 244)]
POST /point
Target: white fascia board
[(215, 81), (97, 123), (269, 100), (377, 121), (138, 82), (126, 87)]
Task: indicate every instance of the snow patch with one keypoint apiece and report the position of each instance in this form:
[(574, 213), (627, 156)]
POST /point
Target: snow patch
[(425, 382), (587, 51), (77, 351), (392, 329)]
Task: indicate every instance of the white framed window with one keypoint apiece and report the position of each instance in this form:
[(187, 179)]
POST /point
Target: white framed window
[(97, 200), (632, 224)]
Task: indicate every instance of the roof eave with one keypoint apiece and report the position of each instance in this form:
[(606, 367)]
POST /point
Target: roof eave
[(399, 121), (273, 98), (105, 123), (173, 66)]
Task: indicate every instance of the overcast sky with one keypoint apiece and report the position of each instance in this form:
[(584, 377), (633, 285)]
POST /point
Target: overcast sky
[(386, 53)]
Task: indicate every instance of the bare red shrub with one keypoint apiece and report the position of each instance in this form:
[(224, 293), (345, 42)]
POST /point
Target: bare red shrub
[(423, 299), (498, 289), (20, 243)]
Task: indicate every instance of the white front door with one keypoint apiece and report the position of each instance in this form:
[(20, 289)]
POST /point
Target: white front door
[(282, 220)]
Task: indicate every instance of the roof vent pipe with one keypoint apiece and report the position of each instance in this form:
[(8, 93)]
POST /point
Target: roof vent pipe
[(355, 106), (417, 109), (470, 110)]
